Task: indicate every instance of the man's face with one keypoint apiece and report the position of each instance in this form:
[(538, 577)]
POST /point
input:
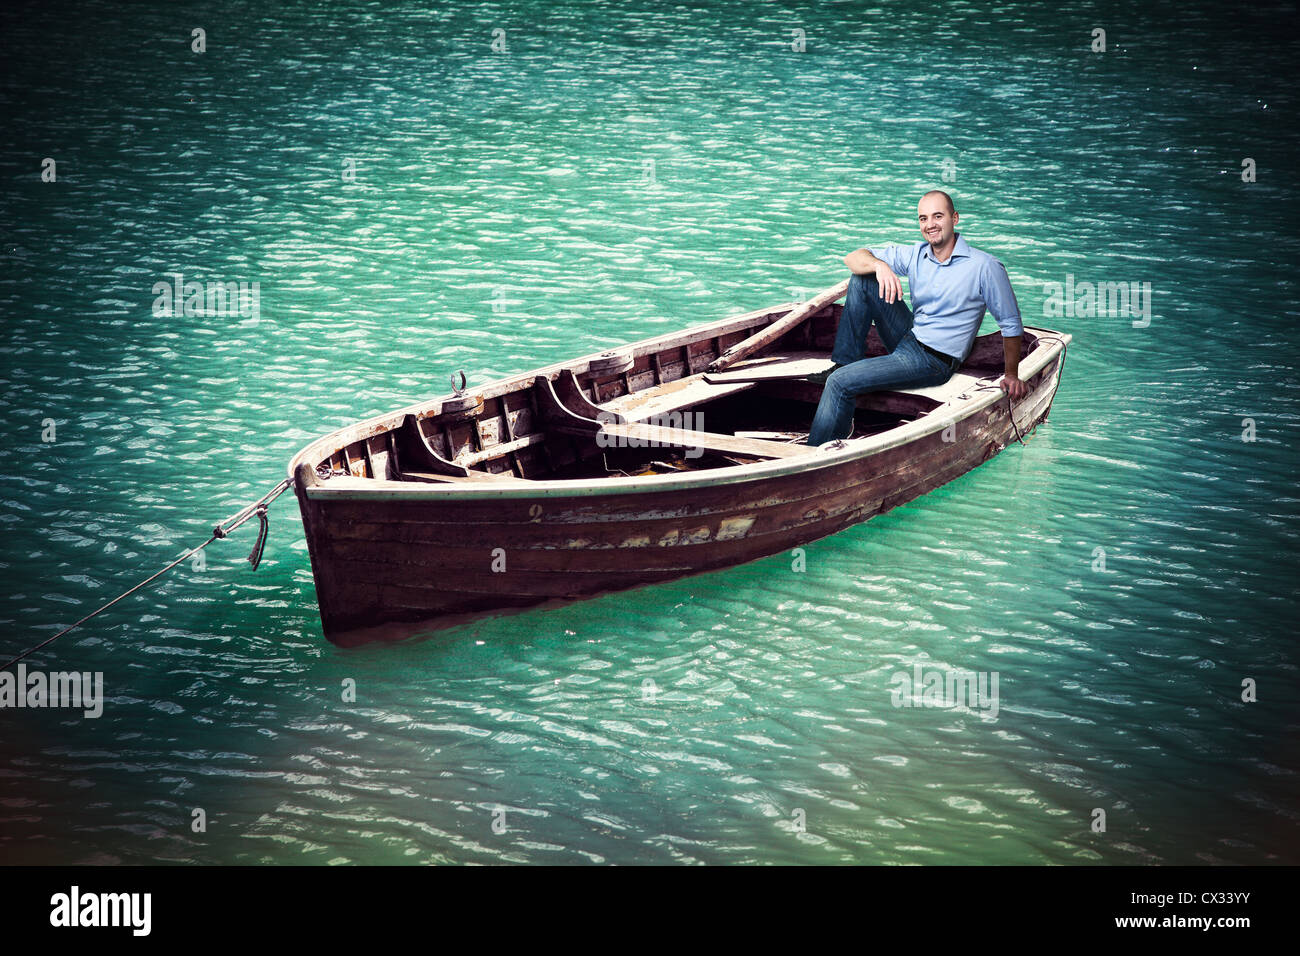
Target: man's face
[(937, 224)]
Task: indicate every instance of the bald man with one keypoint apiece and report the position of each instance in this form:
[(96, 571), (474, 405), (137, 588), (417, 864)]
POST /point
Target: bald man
[(952, 285)]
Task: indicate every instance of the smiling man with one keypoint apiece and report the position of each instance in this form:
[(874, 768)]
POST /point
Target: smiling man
[(952, 285)]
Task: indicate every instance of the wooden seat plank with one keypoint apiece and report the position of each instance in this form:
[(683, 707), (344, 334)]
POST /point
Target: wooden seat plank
[(777, 365), (613, 434), (473, 477), (675, 396), (796, 365)]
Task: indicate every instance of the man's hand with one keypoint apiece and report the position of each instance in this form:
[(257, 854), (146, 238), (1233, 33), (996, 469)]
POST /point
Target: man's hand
[(1013, 386), (891, 288)]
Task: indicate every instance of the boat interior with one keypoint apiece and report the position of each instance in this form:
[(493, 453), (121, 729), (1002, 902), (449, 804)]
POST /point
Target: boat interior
[(646, 409)]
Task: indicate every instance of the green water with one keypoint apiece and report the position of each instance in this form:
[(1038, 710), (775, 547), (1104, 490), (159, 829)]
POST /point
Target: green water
[(412, 202)]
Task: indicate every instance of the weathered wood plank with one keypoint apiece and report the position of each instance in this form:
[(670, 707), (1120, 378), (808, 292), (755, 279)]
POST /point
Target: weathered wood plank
[(799, 365), (501, 448), (778, 328), (650, 436), (675, 396), (776, 365), (471, 476)]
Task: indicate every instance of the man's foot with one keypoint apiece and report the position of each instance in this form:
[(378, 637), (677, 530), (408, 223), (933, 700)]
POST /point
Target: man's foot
[(819, 378)]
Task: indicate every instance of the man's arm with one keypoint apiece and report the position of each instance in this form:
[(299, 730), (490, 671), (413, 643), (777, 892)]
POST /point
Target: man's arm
[(861, 262), (1010, 381), (995, 286)]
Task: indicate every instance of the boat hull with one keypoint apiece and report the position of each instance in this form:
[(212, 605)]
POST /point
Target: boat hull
[(390, 560)]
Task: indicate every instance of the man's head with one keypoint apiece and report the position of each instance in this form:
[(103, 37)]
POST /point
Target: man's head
[(938, 218)]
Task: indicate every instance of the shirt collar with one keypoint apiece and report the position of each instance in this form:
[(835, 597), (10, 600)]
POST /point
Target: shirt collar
[(959, 249)]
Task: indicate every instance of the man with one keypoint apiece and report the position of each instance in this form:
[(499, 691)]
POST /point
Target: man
[(952, 284)]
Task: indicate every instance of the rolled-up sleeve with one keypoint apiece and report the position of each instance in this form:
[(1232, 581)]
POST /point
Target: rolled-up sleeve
[(896, 257), (995, 287)]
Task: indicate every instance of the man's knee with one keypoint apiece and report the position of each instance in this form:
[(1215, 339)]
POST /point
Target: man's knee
[(841, 385), (864, 283)]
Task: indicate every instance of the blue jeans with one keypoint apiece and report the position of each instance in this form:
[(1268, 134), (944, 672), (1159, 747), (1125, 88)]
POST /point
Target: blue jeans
[(907, 365)]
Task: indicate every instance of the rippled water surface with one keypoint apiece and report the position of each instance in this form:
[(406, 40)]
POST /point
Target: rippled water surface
[(618, 171)]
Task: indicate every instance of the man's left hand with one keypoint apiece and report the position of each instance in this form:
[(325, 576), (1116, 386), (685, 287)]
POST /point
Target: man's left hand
[(1013, 386)]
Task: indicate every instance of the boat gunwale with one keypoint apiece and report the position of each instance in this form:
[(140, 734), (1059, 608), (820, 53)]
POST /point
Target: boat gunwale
[(348, 488)]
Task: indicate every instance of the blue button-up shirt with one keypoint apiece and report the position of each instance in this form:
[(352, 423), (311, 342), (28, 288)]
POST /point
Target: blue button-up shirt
[(949, 298)]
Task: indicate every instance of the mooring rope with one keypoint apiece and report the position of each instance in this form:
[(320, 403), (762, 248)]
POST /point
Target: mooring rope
[(1060, 371), (258, 508), (991, 384), (987, 384)]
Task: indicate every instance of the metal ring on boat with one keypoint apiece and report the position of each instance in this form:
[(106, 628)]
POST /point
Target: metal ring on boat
[(461, 401)]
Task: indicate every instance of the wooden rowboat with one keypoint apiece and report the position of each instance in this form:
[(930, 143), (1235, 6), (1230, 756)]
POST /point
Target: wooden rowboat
[(631, 467)]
